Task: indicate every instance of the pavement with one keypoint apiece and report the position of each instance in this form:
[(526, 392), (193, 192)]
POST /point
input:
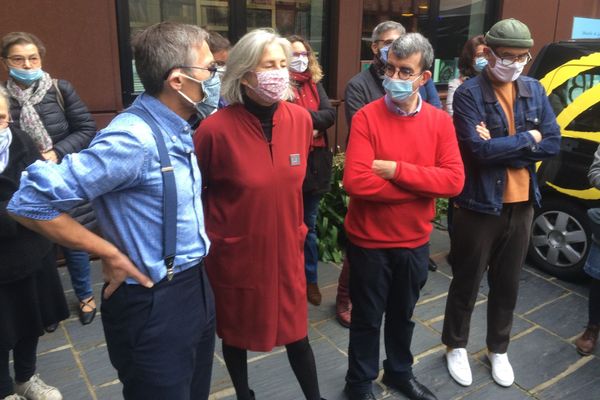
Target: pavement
[(550, 314)]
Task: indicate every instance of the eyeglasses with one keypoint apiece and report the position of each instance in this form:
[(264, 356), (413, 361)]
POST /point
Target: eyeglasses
[(386, 42), (301, 53), (20, 61), (510, 60), (213, 69), (403, 72)]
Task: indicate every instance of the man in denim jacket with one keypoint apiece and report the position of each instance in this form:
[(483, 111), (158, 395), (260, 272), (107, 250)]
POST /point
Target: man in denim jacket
[(504, 124)]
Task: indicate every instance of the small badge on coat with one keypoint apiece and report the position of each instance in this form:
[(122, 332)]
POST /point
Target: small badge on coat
[(294, 160)]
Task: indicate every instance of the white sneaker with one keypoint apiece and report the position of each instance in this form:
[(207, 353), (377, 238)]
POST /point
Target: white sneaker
[(502, 371), (14, 397), (36, 389), (458, 366)]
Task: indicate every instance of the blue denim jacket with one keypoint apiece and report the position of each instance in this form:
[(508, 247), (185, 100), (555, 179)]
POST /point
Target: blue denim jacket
[(486, 160), (120, 174)]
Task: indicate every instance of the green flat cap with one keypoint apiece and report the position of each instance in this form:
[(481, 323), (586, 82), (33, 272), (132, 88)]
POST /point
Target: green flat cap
[(509, 33)]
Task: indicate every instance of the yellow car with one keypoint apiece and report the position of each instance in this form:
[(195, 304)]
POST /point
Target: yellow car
[(561, 234)]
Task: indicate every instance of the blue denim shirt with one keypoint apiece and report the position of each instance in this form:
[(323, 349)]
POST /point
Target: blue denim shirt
[(486, 160), (120, 174)]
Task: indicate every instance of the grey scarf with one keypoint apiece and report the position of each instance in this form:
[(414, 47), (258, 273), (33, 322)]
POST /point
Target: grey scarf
[(30, 120)]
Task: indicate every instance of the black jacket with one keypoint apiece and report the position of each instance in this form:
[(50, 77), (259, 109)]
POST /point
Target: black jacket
[(71, 130), (22, 249)]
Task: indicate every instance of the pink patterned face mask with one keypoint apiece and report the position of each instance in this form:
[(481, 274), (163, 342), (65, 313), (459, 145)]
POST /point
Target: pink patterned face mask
[(272, 85)]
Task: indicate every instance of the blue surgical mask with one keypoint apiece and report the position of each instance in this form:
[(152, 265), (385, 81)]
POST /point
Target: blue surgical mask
[(399, 89), (480, 63), (383, 53), (26, 76), (212, 90)]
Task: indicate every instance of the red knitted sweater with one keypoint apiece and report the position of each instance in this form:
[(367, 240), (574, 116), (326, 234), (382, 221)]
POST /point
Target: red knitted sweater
[(398, 212)]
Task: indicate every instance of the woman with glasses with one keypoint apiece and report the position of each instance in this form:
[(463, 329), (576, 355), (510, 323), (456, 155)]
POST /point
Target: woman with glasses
[(31, 295), (306, 75), (53, 115), (252, 155)]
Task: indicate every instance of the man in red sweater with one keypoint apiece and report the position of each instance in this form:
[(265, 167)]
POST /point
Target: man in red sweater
[(402, 154)]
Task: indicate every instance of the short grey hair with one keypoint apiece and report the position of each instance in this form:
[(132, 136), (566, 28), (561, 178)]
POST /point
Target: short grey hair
[(245, 56), (412, 43), (162, 47), (385, 26)]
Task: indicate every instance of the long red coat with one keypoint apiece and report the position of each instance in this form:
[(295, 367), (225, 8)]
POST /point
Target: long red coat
[(254, 219)]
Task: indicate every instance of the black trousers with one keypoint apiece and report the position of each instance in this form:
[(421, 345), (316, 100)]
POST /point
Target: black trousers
[(496, 243), (24, 364), (161, 340), (383, 281)]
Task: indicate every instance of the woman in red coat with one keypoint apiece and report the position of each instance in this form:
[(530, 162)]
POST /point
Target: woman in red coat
[(252, 155)]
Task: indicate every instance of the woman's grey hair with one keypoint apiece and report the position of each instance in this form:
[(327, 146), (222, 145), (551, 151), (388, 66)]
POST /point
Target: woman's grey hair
[(164, 46), (411, 43), (385, 26), (245, 56)]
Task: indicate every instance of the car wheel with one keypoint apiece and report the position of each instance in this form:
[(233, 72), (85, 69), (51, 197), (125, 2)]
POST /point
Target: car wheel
[(560, 239)]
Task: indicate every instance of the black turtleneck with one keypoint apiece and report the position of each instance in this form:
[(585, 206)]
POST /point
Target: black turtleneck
[(263, 113)]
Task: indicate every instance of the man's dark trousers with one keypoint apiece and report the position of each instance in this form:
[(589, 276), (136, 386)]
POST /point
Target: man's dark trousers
[(161, 340), (383, 281), (498, 244)]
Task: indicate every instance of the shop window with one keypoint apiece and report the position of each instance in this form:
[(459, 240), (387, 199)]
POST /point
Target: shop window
[(412, 14), (231, 18), (458, 21), (446, 23)]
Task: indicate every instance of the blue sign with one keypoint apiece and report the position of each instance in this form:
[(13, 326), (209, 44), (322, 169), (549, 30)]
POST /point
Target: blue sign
[(586, 28)]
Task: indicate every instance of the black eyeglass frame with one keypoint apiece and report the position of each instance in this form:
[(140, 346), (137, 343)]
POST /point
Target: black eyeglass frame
[(387, 42), (513, 59), (401, 71), (213, 69)]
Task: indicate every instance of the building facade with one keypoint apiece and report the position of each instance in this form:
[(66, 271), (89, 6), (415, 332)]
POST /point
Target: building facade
[(88, 41)]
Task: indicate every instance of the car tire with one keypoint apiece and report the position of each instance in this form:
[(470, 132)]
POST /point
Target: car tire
[(560, 239)]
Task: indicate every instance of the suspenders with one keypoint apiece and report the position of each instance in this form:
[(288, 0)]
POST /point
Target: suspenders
[(169, 191)]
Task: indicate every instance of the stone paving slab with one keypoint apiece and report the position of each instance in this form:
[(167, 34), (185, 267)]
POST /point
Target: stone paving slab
[(535, 291), (60, 369), (565, 316), (492, 391), (97, 364), (583, 384), (220, 377), (112, 392), (85, 337)]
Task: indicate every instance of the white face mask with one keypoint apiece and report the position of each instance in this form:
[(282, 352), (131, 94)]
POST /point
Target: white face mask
[(299, 63), (506, 73)]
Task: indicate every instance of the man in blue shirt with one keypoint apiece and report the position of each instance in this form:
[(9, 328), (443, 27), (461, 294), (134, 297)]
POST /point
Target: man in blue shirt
[(158, 321)]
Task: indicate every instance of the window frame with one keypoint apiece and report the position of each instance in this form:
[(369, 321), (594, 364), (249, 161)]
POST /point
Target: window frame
[(237, 29)]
